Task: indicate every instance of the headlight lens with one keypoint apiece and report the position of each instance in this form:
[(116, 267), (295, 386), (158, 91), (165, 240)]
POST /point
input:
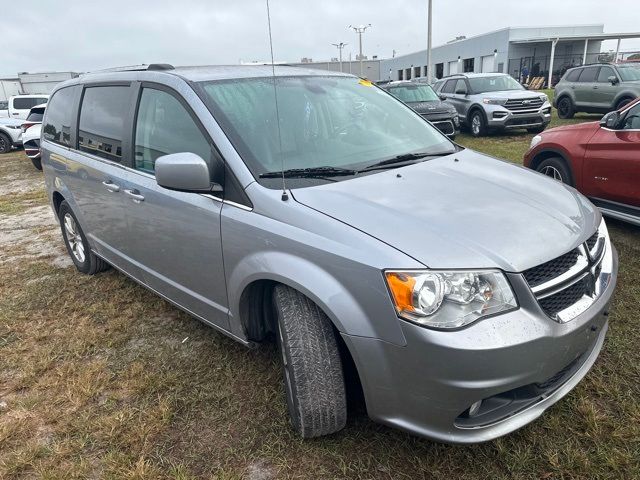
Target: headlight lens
[(449, 299), (494, 101), (544, 98), (535, 141)]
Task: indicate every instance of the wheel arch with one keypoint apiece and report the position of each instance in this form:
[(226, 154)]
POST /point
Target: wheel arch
[(548, 153), (473, 108)]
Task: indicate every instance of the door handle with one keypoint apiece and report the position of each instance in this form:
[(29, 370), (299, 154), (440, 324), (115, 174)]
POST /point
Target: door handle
[(112, 187), (135, 195)]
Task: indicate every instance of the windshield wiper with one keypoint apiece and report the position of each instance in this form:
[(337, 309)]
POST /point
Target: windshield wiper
[(406, 157), (309, 172)]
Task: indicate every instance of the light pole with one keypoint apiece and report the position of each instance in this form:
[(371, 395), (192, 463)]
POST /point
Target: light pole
[(429, 24), (360, 29), (340, 46)]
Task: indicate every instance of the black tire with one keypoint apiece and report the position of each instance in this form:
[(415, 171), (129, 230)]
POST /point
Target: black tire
[(537, 130), (89, 263), (623, 103), (566, 109), (556, 168), (477, 124), (313, 376), (5, 143), (37, 163)]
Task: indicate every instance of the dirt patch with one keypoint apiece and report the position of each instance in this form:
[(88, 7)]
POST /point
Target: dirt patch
[(15, 184), (32, 234)]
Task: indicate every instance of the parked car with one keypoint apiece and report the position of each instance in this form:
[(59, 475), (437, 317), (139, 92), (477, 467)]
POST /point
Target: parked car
[(19, 106), (600, 159), (598, 88), (494, 101), (4, 108), (34, 117), (469, 294), (10, 134), (426, 102), (31, 144)]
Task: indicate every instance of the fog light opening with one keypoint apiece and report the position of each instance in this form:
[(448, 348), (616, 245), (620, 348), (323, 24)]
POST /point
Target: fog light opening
[(475, 408)]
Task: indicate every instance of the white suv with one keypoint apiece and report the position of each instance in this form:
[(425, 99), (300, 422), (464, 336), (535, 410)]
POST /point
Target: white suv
[(20, 105)]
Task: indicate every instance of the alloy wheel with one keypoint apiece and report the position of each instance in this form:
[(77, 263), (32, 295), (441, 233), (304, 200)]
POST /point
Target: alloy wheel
[(563, 108), (74, 238), (475, 125), (552, 172), (3, 144)]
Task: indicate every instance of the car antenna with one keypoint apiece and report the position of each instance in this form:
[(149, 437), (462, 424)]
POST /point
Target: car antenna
[(285, 195)]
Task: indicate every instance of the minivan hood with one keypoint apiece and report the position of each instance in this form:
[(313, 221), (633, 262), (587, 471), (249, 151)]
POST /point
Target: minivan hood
[(464, 210)]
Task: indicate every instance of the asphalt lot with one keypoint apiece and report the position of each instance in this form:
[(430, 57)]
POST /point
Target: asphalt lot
[(100, 378)]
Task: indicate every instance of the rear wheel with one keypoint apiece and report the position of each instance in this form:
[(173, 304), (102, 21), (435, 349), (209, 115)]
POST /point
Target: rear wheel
[(314, 382), (557, 169), (76, 242), (5, 143), (566, 109), (477, 124), (37, 163)]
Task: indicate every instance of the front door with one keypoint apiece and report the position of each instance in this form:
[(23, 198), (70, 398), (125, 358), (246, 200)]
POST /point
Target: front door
[(174, 237), (604, 90), (612, 161)]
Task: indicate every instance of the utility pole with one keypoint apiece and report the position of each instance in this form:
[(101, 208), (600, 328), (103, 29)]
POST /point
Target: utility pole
[(340, 46), (429, 24), (360, 29)]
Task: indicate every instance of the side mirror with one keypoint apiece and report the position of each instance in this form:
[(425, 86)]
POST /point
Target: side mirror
[(613, 80), (442, 97), (185, 172), (610, 120)]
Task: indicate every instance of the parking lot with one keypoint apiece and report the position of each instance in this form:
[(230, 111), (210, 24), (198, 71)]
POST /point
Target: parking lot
[(102, 379)]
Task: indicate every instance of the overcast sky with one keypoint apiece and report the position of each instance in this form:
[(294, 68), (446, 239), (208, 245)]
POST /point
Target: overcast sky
[(86, 34)]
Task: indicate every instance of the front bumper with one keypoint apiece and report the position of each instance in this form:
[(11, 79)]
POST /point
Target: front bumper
[(427, 386), (446, 122), (501, 118)]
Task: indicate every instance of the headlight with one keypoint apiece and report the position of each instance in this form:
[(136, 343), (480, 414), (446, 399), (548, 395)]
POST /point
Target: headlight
[(544, 98), (535, 141), (494, 101), (449, 299)]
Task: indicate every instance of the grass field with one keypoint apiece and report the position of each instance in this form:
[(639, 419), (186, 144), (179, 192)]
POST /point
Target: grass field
[(100, 378)]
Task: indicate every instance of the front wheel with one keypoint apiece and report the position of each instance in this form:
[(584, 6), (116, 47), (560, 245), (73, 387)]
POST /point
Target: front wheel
[(477, 124), (623, 103), (313, 377), (557, 169)]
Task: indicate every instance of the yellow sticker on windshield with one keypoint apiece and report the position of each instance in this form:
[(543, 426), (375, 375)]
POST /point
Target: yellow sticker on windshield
[(365, 82)]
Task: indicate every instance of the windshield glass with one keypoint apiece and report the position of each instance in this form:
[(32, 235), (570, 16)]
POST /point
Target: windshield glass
[(414, 93), (629, 73), (342, 122), (494, 84)]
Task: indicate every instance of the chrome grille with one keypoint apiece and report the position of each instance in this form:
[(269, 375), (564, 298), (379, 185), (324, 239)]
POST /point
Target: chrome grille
[(524, 104), (549, 270), (568, 284)]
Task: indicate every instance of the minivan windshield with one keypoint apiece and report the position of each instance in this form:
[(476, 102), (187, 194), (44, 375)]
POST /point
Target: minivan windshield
[(414, 93), (629, 73), (326, 122), (494, 83)]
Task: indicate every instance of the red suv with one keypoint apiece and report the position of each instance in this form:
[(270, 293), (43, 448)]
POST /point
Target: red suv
[(600, 159)]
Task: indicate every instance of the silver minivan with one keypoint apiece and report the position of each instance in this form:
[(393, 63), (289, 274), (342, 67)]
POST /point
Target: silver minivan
[(314, 209)]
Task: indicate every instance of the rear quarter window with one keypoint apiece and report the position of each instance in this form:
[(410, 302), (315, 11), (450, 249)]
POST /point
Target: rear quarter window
[(573, 75), (58, 118)]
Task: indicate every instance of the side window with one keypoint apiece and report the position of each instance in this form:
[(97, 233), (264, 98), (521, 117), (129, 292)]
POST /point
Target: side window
[(21, 103), (589, 75), (58, 116), (461, 86), (102, 118), (164, 126), (632, 119), (573, 75), (605, 73), (449, 87)]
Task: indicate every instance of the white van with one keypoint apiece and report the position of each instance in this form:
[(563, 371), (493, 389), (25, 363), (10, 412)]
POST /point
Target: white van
[(20, 105)]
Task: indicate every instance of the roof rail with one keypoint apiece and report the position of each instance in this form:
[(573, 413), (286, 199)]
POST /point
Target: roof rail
[(137, 68)]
